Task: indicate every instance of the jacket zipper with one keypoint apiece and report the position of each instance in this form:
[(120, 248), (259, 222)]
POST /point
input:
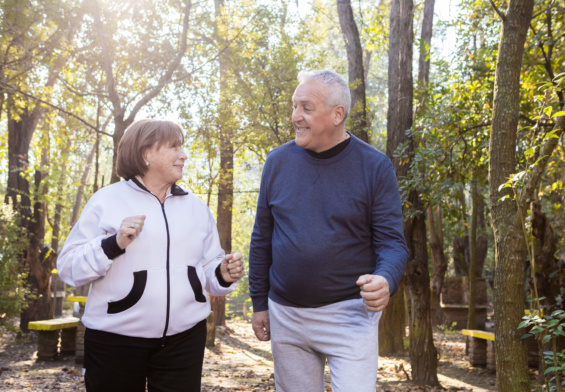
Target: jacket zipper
[(168, 260), (168, 274)]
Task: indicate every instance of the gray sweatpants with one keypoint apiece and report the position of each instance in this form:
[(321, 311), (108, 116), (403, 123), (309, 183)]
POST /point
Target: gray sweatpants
[(344, 333)]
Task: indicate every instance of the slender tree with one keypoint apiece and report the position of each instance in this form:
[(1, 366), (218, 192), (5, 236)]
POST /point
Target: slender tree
[(358, 113), (423, 354), (226, 133), (510, 251)]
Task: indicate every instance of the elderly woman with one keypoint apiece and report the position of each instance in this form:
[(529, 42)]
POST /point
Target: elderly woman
[(152, 253)]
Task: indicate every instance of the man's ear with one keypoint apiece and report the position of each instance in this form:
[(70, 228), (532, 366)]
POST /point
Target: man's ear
[(339, 115)]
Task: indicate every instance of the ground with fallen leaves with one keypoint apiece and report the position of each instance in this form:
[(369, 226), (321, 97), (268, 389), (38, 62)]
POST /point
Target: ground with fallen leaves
[(238, 362)]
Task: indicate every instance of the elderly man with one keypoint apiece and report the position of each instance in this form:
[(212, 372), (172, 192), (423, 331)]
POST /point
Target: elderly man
[(327, 248)]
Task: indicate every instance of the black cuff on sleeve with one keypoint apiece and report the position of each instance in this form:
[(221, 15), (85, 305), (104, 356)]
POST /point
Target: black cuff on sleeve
[(221, 280), (111, 248)]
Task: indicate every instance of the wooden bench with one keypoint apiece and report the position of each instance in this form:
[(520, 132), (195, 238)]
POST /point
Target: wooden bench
[(482, 352), (48, 339)]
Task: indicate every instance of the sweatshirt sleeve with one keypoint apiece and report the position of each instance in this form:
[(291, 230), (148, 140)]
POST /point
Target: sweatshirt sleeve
[(211, 260), (388, 233), (260, 249), (83, 258)]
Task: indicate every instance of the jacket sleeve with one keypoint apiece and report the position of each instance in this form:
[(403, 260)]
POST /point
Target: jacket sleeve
[(388, 234), (260, 249), (83, 259), (211, 260)]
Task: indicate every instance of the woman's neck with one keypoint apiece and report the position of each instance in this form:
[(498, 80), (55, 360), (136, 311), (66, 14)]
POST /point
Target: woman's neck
[(158, 188)]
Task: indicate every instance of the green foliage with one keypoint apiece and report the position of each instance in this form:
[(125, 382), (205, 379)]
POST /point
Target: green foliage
[(449, 329), (548, 329), (13, 288)]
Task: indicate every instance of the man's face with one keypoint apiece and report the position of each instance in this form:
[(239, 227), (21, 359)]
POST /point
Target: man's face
[(312, 120)]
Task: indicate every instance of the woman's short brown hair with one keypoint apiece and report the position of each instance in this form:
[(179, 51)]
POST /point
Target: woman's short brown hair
[(140, 136)]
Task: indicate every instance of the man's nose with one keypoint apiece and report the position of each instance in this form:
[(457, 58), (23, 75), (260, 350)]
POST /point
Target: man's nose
[(296, 115)]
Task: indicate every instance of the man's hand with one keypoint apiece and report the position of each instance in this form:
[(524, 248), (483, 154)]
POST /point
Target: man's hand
[(261, 325), (374, 291), (232, 267)]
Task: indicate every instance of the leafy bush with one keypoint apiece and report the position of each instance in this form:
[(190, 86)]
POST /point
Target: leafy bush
[(548, 329), (13, 287)]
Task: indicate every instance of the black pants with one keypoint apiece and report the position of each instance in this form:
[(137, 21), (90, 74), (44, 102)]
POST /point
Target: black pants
[(174, 367)]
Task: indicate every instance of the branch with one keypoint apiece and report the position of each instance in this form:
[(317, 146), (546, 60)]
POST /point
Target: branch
[(17, 90), (107, 61), (153, 92), (547, 147), (172, 67), (499, 12), (527, 119), (544, 10)]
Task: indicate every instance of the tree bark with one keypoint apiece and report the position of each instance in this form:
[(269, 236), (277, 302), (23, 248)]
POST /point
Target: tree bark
[(225, 181), (423, 354), (511, 359), (20, 133), (390, 329), (39, 259), (393, 324), (358, 112), (439, 262), (473, 251), (425, 44), (80, 190)]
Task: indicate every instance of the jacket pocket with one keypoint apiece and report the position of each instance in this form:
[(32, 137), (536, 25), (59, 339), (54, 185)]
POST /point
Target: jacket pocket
[(195, 284), (139, 282)]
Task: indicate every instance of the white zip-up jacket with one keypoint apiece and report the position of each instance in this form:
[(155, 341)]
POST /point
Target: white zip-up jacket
[(159, 286)]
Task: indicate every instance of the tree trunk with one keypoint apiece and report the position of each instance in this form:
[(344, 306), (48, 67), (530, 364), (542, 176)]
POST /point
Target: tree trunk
[(473, 251), (438, 256), (549, 277), (358, 112), (20, 133), (80, 190), (393, 324), (39, 259), (395, 311), (425, 44), (440, 264), (120, 127), (482, 240), (423, 355), (225, 183), (511, 360), (58, 209)]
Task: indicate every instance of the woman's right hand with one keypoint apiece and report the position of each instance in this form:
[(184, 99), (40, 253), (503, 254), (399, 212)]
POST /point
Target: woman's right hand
[(129, 229)]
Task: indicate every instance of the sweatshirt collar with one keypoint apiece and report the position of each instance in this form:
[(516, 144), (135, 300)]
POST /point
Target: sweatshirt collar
[(175, 190)]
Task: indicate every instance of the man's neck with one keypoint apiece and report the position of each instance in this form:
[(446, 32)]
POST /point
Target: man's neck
[(333, 151)]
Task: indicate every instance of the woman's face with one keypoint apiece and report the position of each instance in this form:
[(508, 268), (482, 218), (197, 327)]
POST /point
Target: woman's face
[(165, 163)]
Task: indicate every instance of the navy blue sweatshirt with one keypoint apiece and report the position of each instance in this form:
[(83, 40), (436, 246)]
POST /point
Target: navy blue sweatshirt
[(322, 223)]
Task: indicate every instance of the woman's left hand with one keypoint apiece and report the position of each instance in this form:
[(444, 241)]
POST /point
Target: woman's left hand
[(232, 267)]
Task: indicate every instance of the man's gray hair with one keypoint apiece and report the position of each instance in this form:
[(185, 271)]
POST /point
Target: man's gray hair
[(337, 87)]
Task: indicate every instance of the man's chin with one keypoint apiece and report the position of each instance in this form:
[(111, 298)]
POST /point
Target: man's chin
[(300, 141)]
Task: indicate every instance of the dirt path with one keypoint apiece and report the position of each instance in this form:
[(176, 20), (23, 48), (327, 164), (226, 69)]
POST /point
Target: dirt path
[(238, 362)]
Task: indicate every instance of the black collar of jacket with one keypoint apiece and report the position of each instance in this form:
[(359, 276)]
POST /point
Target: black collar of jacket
[(175, 189)]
